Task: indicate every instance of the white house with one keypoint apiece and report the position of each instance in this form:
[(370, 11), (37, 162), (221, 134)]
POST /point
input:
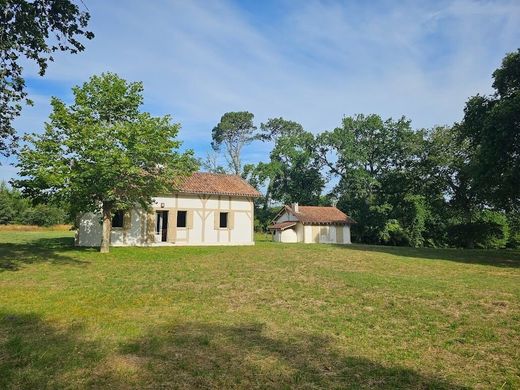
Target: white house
[(311, 224), (205, 209)]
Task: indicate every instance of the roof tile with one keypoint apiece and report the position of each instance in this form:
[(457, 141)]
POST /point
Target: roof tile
[(282, 225), (216, 184), (320, 214)]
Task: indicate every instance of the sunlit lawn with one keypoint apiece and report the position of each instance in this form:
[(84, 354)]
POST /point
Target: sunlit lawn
[(268, 316)]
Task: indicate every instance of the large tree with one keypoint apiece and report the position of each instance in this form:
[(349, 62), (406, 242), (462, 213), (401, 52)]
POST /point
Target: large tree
[(373, 160), (234, 131), (293, 169), (32, 30), (491, 127), (102, 152)]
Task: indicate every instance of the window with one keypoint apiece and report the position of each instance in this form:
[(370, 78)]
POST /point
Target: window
[(117, 219), (223, 220), (181, 219)]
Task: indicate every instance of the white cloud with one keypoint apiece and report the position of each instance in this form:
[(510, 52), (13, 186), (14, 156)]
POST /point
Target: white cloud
[(313, 63)]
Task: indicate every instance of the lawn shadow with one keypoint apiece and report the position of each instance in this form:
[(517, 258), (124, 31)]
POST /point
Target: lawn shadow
[(498, 258), (52, 250), (37, 355), (198, 355)]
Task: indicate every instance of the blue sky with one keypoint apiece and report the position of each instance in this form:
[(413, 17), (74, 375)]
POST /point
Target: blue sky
[(308, 61)]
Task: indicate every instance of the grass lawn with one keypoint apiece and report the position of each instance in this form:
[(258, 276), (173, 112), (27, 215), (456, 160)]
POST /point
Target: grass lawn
[(269, 316)]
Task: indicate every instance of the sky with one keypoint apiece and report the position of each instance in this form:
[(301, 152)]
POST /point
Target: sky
[(313, 62)]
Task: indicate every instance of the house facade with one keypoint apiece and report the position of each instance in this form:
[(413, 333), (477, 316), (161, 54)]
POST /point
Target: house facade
[(311, 224), (205, 209)]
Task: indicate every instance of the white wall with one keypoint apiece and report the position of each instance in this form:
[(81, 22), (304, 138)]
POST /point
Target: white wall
[(202, 232), (286, 217), (346, 234), (89, 230), (289, 235), (326, 234)]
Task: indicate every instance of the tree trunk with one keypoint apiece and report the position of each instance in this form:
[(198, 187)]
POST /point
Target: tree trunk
[(107, 229)]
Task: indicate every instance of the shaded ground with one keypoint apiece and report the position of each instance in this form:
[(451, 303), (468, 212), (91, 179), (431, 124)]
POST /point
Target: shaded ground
[(269, 316)]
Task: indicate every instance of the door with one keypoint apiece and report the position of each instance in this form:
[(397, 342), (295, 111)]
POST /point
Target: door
[(161, 225), (324, 234)]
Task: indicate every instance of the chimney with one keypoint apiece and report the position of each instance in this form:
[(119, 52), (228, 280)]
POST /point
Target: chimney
[(295, 207)]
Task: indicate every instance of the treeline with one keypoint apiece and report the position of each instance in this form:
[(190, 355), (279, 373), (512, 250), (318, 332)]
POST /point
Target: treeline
[(446, 186), (16, 209)]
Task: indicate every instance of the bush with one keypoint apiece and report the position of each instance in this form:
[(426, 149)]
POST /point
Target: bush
[(7, 214), (412, 213), (43, 215), (394, 234), (12, 204), (490, 230), (513, 221)]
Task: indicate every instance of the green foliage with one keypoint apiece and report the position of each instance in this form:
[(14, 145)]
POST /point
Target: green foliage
[(234, 131), (7, 213), (513, 220), (376, 161), (413, 213), (32, 30), (394, 234), (43, 215), (12, 205), (15, 209), (491, 128), (103, 151), (488, 230), (293, 171)]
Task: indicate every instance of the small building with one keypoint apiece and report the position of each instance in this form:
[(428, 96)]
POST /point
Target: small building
[(311, 224), (204, 209)]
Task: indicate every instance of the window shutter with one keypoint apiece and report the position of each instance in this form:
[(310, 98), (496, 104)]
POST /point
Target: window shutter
[(231, 220), (217, 220), (127, 219), (189, 219), (172, 225)]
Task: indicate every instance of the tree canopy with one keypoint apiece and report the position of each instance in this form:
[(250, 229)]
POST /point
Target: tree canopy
[(234, 131), (102, 152), (34, 30), (491, 129)]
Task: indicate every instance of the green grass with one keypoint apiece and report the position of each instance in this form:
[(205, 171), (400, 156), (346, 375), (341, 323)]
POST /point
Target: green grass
[(268, 316)]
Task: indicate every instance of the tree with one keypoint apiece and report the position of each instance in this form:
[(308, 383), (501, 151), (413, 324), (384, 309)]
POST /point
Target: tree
[(102, 152), (12, 205), (293, 170), (210, 163), (491, 128), (34, 30), (234, 131), (374, 160)]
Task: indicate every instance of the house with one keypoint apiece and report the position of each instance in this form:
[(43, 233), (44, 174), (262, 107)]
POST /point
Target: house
[(204, 209), (311, 224)]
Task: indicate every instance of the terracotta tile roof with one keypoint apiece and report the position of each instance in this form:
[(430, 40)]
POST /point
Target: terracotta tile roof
[(215, 184), (320, 215), (282, 225)]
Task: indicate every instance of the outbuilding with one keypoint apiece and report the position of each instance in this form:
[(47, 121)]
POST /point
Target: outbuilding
[(311, 224)]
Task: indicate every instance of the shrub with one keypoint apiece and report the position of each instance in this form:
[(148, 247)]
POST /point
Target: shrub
[(12, 204), (7, 213), (43, 215), (394, 234), (412, 212), (490, 230)]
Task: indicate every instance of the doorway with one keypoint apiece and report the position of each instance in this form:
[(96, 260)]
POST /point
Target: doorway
[(161, 225)]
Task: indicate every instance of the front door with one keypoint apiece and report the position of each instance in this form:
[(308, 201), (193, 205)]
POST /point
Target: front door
[(161, 225)]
